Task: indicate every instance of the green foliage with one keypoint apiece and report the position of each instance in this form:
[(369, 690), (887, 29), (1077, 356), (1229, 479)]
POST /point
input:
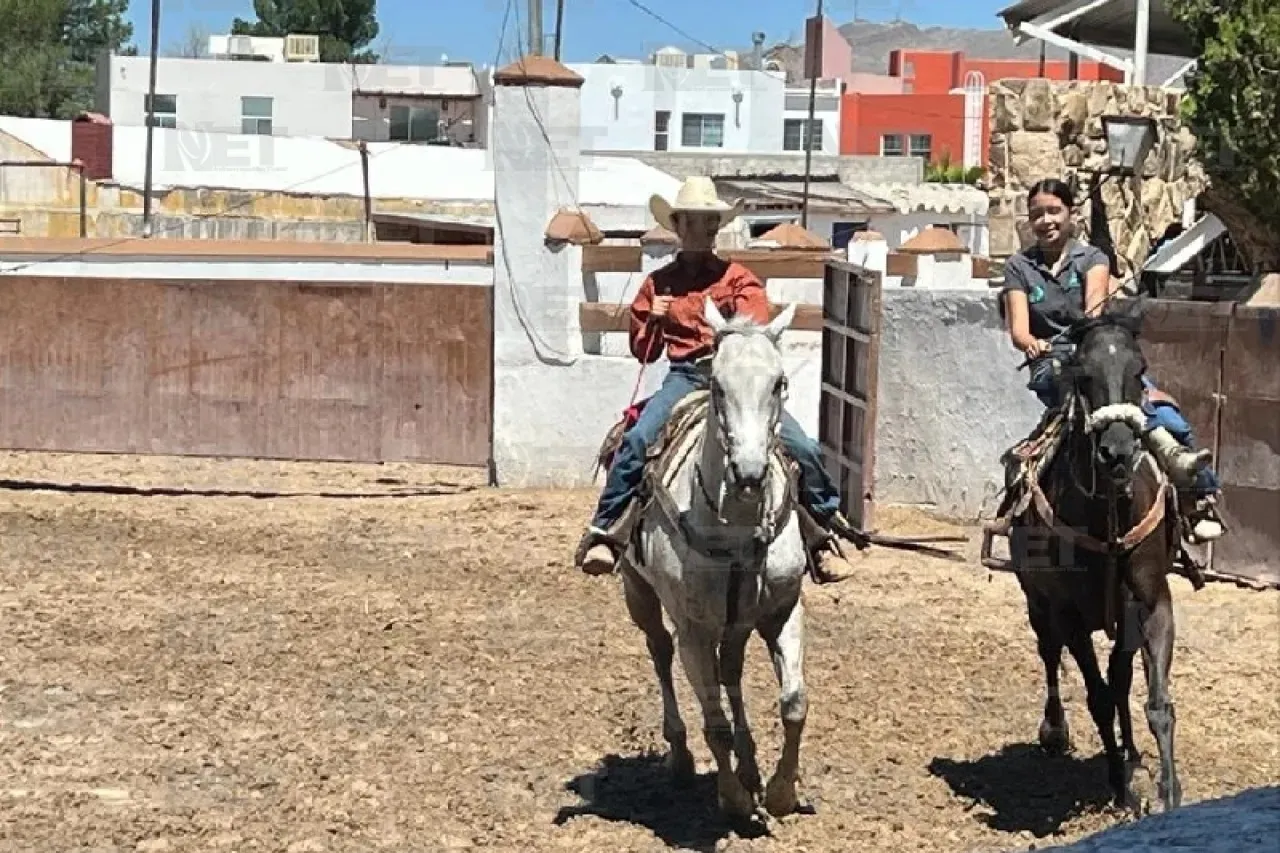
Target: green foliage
[(1233, 98), (345, 27), (91, 27), (48, 49), (946, 172)]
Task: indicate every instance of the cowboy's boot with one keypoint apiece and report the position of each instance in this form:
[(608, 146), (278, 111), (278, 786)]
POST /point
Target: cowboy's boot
[(1205, 523), (599, 549), (595, 554), (827, 560)]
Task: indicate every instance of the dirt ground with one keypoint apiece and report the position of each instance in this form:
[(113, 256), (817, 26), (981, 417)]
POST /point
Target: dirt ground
[(423, 670)]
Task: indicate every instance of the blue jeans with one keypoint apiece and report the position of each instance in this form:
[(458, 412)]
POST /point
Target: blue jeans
[(817, 492), (1158, 415)]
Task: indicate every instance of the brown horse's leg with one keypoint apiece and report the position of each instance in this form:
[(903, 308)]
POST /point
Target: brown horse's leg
[(1157, 658), (1120, 673), (1055, 735), (1102, 708), (646, 613)]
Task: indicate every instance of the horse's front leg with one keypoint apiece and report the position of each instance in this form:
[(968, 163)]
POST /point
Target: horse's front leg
[(646, 612), (784, 635), (698, 653), (733, 652), (1157, 658)]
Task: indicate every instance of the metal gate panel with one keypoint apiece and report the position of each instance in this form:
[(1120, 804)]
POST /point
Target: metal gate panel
[(1249, 448), (850, 357)]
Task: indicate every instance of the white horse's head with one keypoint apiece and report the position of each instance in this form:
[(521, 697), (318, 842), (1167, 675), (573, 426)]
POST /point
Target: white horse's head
[(748, 390)]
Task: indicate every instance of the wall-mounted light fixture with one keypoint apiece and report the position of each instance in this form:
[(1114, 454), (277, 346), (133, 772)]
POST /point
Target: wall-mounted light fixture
[(1129, 141), (615, 89), (737, 106)]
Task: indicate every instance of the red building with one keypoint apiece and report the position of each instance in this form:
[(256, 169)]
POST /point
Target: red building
[(928, 118)]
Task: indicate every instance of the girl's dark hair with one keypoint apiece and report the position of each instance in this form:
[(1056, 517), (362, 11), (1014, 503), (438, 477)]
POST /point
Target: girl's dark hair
[(1056, 188)]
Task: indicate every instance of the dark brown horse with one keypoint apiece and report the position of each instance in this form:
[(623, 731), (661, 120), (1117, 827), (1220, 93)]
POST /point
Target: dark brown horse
[(1094, 549)]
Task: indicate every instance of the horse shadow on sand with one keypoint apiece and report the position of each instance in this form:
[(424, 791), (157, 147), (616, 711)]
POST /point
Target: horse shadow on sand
[(638, 790), (1028, 789)]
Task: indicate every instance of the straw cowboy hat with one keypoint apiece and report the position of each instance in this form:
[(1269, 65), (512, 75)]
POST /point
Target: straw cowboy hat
[(697, 195)]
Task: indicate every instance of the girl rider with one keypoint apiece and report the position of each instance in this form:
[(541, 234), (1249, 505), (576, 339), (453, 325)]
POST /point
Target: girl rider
[(1052, 283)]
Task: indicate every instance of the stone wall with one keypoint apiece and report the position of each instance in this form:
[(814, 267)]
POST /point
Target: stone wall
[(1041, 129)]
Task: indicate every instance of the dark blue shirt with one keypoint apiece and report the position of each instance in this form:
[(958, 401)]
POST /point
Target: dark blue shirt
[(1053, 301)]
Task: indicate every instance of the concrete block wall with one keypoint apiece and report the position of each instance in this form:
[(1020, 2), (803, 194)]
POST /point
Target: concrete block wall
[(950, 401)]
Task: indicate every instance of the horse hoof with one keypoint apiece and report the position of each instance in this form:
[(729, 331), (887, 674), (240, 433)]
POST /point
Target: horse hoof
[(679, 763), (1055, 740), (736, 802), (780, 797)]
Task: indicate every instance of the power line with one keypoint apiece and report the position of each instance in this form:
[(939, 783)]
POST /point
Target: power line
[(673, 27)]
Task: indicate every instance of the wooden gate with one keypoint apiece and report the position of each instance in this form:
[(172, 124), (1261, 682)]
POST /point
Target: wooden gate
[(850, 357), (1220, 361), (360, 372)]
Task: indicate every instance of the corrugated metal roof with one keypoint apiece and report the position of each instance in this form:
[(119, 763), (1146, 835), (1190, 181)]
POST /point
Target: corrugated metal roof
[(931, 198), (824, 196), (1110, 25)]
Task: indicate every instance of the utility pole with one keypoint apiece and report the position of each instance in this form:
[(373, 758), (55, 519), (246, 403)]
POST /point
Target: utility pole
[(535, 28), (151, 119), (813, 55), (559, 25)]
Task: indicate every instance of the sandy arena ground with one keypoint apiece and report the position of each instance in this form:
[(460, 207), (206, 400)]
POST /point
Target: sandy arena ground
[(424, 671)]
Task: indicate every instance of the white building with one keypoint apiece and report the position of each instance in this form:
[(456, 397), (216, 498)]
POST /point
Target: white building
[(256, 89), (677, 104)]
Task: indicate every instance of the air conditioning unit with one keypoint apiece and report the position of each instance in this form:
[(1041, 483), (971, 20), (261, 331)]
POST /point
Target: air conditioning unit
[(239, 45), (301, 48), (671, 57)]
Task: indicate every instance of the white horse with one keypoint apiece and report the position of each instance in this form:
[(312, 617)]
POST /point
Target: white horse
[(719, 547)]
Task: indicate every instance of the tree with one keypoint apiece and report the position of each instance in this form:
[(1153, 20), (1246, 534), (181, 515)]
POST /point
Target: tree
[(48, 49), (345, 27), (1232, 105), (194, 44), (92, 27)]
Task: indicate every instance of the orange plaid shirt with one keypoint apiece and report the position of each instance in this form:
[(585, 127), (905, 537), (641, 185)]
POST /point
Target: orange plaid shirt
[(684, 331)]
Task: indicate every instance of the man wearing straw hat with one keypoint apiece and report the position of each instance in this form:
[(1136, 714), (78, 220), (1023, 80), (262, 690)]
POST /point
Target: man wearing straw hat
[(667, 314)]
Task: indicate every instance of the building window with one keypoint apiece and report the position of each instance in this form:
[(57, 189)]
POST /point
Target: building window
[(922, 146), (794, 137), (661, 130), (702, 130), (255, 115), (891, 145), (842, 233), (166, 110), (414, 124)]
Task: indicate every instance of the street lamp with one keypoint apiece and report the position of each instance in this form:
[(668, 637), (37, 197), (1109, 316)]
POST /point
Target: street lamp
[(1129, 141)]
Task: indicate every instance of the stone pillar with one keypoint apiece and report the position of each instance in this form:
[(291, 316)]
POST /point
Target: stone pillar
[(534, 138)]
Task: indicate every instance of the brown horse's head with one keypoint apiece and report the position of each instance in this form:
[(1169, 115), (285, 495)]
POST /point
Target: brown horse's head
[(1106, 374)]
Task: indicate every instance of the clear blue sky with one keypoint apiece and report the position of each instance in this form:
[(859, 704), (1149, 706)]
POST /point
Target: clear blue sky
[(422, 30)]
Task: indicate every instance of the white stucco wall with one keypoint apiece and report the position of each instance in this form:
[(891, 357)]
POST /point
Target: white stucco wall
[(309, 98), (241, 268), (626, 122)]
